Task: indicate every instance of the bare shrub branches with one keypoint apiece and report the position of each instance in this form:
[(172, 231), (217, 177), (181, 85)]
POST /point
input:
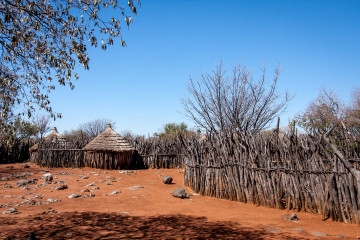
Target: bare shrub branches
[(233, 103)]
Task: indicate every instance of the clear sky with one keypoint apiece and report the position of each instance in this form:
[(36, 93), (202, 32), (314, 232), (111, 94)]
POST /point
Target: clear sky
[(317, 44)]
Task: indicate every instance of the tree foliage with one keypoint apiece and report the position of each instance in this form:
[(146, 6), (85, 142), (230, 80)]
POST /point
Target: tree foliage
[(41, 41), (234, 102), (352, 113), (172, 130), (323, 114)]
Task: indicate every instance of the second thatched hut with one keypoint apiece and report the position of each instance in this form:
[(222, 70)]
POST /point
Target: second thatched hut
[(111, 151)]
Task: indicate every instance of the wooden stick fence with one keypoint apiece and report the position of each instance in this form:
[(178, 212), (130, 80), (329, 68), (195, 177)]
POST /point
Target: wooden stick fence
[(300, 173)]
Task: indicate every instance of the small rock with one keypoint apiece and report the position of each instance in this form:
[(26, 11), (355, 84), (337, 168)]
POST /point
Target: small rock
[(60, 187), (21, 197), (108, 183), (90, 185), (59, 182), (135, 187), (89, 195), (8, 186), (52, 200), (95, 188), (122, 212), (294, 217), (26, 166), (11, 211), (44, 170), (37, 197), (180, 193), (10, 167), (84, 177), (25, 182), (115, 192), (48, 177), (85, 190), (167, 179), (318, 234), (29, 202), (274, 230), (5, 179), (74, 195)]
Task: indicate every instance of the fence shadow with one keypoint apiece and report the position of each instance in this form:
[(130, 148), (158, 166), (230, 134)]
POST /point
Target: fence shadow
[(92, 225)]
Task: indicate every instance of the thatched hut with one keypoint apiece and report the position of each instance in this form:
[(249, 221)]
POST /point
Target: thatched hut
[(111, 151), (53, 137)]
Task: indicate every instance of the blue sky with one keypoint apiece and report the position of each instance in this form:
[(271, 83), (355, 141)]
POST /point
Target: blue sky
[(140, 86)]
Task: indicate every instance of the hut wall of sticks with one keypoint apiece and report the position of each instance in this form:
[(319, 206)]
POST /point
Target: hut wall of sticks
[(54, 137), (111, 151), (303, 173), (63, 154), (160, 152)]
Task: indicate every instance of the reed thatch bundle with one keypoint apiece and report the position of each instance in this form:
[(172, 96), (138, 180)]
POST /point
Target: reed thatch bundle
[(111, 151)]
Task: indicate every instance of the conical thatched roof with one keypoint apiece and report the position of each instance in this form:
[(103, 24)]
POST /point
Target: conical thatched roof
[(54, 136), (109, 140)]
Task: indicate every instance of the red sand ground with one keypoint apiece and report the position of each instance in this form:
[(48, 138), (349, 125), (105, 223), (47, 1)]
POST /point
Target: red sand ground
[(144, 213)]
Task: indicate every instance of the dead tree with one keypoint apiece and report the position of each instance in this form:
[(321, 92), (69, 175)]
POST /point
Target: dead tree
[(233, 103)]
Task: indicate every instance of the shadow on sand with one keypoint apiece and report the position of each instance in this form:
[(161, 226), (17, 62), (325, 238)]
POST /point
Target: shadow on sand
[(93, 225)]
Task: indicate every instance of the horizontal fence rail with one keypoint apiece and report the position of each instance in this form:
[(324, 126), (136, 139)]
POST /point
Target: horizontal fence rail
[(302, 173)]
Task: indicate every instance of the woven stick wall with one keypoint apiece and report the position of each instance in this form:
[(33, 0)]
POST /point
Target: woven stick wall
[(301, 173)]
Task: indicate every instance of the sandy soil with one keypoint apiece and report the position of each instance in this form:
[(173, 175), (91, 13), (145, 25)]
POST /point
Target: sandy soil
[(144, 209)]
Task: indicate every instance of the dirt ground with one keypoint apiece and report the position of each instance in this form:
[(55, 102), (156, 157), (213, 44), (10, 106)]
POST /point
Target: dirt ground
[(143, 209)]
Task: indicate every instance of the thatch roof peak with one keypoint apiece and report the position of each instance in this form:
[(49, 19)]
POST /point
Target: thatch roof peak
[(54, 135), (109, 140)]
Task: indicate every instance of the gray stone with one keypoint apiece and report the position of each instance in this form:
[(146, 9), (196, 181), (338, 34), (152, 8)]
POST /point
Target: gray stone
[(59, 182), (5, 179), (89, 195), (25, 182), (84, 177), (136, 187), (95, 188), (60, 187), (85, 190), (11, 211), (74, 195), (318, 234), (294, 217), (274, 230), (52, 200), (29, 202), (89, 185), (115, 192), (167, 179), (180, 193), (8, 186), (48, 177)]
